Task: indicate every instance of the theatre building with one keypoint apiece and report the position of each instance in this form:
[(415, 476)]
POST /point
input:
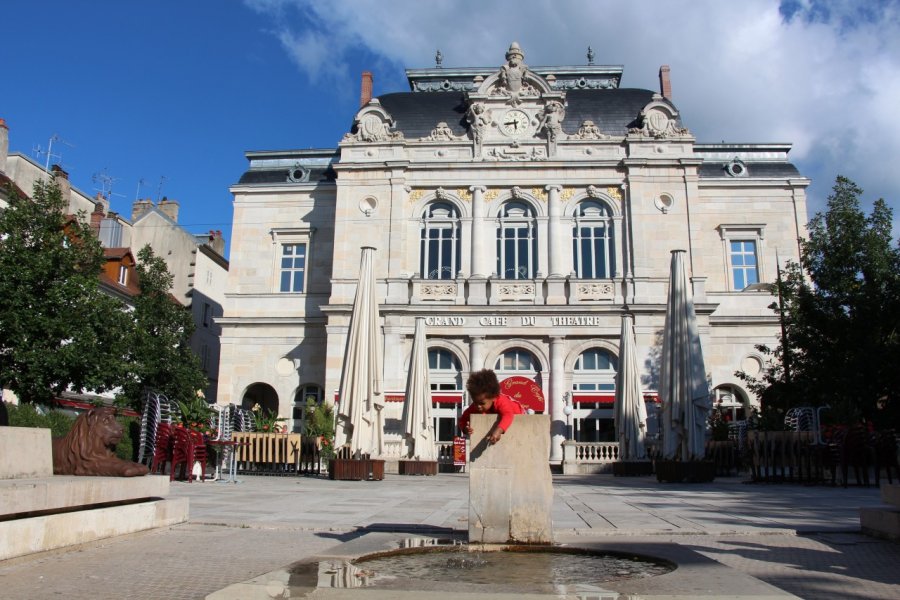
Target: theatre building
[(521, 211)]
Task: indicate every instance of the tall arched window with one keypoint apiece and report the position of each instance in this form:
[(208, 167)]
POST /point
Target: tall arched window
[(592, 239), (595, 377), (439, 251), (516, 242)]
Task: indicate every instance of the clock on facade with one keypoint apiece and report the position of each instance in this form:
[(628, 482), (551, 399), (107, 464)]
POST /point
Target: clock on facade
[(514, 123)]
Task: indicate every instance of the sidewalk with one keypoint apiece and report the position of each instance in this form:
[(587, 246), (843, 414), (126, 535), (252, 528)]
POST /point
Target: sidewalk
[(803, 540)]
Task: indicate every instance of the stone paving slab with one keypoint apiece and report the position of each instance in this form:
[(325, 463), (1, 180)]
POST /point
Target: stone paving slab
[(803, 540)]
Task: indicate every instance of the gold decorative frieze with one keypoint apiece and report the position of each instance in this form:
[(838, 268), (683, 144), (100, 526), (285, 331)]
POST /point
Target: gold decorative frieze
[(539, 193), (416, 195), (490, 195), (464, 194), (614, 192), (566, 193)]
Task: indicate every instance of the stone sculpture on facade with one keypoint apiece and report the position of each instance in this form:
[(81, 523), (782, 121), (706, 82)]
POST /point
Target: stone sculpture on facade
[(441, 132), (88, 448), (590, 131), (551, 122), (658, 120), (512, 75), (373, 124), (478, 118)]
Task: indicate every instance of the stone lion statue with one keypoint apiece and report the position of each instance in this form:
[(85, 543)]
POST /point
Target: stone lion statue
[(88, 449)]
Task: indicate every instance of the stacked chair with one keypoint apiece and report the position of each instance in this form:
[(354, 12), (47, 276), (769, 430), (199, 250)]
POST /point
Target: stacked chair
[(188, 448)]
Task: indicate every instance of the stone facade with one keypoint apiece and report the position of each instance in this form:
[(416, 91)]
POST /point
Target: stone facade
[(521, 213)]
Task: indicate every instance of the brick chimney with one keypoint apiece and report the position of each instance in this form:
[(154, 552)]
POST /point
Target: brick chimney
[(139, 208), (365, 93), (665, 85), (4, 145), (62, 180), (97, 217), (217, 242), (169, 208)]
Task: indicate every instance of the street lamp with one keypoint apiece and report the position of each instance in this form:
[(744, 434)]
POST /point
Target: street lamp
[(567, 410)]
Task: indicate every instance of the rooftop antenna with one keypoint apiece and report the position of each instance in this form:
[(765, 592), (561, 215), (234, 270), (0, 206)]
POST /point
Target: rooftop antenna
[(137, 194), (38, 151), (438, 59), (162, 180), (590, 55), (105, 181)]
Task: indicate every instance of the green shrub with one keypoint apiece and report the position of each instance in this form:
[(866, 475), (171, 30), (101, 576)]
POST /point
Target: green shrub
[(28, 415)]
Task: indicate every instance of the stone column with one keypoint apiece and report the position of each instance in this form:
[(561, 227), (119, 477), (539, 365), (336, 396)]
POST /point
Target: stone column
[(479, 269), (476, 353), (553, 231), (555, 401)]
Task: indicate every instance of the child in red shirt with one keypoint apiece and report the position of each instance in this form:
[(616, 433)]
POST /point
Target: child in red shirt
[(484, 390)]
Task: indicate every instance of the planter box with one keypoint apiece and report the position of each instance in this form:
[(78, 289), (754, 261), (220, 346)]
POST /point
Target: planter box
[(674, 471), (418, 467), (631, 468), (356, 469)]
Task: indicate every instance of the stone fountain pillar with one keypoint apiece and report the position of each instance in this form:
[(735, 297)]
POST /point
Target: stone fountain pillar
[(510, 486)]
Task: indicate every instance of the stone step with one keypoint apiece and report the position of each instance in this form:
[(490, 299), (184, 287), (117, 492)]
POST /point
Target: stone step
[(880, 522), (25, 452)]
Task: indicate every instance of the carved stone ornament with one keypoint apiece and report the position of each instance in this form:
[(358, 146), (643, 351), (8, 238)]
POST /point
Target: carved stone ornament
[(595, 291), (593, 191), (441, 132), (515, 290), (511, 153), (441, 194), (658, 120), (373, 124), (479, 118), (552, 118), (516, 192), (589, 131), (438, 290)]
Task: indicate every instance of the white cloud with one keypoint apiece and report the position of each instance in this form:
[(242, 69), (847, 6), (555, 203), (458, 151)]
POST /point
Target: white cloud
[(826, 79)]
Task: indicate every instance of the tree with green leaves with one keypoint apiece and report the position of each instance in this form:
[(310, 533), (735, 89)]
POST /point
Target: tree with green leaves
[(841, 313), (160, 356), (58, 330)]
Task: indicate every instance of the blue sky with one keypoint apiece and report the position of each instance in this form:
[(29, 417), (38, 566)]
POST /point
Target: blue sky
[(180, 89)]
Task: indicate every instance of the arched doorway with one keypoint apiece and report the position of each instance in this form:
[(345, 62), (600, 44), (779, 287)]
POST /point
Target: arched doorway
[(593, 393), (262, 394), (305, 393), (731, 402)]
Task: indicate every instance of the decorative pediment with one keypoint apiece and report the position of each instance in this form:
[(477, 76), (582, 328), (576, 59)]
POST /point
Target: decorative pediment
[(373, 124), (658, 120)]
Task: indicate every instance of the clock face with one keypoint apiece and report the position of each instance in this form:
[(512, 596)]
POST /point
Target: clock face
[(514, 123)]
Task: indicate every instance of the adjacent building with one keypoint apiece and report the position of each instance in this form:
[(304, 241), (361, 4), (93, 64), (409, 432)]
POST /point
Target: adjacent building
[(196, 262), (522, 211)]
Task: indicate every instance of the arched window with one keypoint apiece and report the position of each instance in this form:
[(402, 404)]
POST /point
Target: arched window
[(516, 242), (595, 370), (595, 377), (444, 371), (439, 251), (731, 402), (305, 393), (518, 361), (592, 240), (444, 375)]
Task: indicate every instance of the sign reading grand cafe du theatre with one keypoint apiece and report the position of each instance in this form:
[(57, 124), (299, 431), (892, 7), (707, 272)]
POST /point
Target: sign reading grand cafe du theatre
[(521, 211)]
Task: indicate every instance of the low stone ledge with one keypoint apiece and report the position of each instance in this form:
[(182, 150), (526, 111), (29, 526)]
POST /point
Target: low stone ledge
[(37, 534), (67, 493)]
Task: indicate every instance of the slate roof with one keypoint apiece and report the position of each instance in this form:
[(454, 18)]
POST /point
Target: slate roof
[(613, 111)]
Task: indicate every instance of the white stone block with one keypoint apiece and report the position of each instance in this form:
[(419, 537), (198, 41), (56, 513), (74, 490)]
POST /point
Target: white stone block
[(510, 485), (25, 452)]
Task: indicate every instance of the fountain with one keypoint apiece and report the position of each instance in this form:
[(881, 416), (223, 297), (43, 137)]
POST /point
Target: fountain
[(509, 550)]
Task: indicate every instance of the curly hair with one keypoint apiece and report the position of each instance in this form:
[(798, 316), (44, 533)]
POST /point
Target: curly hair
[(483, 382)]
